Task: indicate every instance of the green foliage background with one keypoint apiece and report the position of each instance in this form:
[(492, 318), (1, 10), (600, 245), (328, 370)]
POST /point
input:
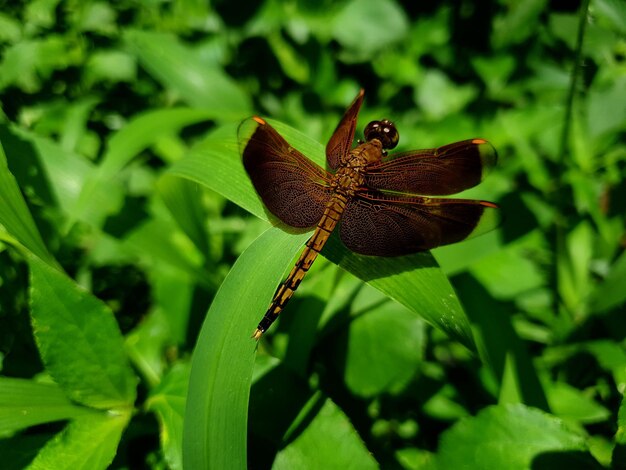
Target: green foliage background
[(136, 258)]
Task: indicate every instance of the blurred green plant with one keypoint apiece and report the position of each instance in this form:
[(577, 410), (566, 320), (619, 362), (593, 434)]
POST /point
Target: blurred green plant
[(127, 244)]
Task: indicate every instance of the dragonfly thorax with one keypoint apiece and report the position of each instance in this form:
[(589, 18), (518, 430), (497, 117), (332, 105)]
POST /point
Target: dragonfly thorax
[(348, 180), (365, 154)]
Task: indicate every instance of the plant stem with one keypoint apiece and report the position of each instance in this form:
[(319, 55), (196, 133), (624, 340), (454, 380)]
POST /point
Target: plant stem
[(559, 197)]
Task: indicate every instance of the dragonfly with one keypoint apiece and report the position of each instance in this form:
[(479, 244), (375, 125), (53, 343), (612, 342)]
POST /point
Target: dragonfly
[(381, 204)]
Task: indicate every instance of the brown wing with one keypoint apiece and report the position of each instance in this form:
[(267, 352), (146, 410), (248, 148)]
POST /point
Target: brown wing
[(435, 172), (290, 185), (388, 225), (342, 139)]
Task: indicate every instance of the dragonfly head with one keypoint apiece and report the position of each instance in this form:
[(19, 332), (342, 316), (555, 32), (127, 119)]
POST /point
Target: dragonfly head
[(385, 131)]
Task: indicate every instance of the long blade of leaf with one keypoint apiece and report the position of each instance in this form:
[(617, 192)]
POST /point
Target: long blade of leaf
[(215, 430)]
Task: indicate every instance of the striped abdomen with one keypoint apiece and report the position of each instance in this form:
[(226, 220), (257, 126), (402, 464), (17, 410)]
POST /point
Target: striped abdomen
[(314, 245)]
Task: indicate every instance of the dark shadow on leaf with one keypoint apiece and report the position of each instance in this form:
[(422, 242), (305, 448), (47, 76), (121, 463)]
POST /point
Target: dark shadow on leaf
[(520, 220), (374, 267), (572, 460), (24, 163), (18, 451), (491, 321), (276, 399)]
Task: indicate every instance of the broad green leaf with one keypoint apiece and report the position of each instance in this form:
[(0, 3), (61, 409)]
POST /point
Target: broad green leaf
[(167, 401), (570, 403), (439, 97), (110, 66), (382, 349), (509, 272), (25, 403), (15, 217), (201, 84), (27, 63), (367, 26), (415, 281), (87, 443), (327, 441), (507, 437), (217, 404), (79, 340)]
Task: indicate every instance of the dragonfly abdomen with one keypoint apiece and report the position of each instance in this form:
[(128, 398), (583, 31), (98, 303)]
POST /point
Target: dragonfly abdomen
[(332, 214)]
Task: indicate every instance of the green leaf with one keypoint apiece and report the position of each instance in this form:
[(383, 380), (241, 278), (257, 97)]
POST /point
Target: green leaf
[(15, 217), (570, 403), (439, 97), (511, 26), (144, 130), (610, 293), (415, 281), (507, 437), (382, 350), (110, 66), (217, 404), (328, 441), (573, 267), (79, 340), (183, 199), (25, 403), (497, 276), (86, 443), (294, 66), (200, 84), (168, 401), (59, 173), (619, 451), (367, 26)]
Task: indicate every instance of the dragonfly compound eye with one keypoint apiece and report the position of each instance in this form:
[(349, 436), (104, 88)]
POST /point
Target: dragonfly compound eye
[(385, 131)]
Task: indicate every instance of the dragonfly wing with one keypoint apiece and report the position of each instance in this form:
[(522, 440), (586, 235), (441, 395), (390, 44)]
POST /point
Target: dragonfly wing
[(291, 186), (435, 172), (379, 224), (342, 139)]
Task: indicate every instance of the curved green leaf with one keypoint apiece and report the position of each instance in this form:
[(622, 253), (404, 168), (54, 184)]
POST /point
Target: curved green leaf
[(383, 348), (215, 430)]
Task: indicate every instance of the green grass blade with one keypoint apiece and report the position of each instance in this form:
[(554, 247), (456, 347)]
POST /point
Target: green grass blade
[(215, 430)]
